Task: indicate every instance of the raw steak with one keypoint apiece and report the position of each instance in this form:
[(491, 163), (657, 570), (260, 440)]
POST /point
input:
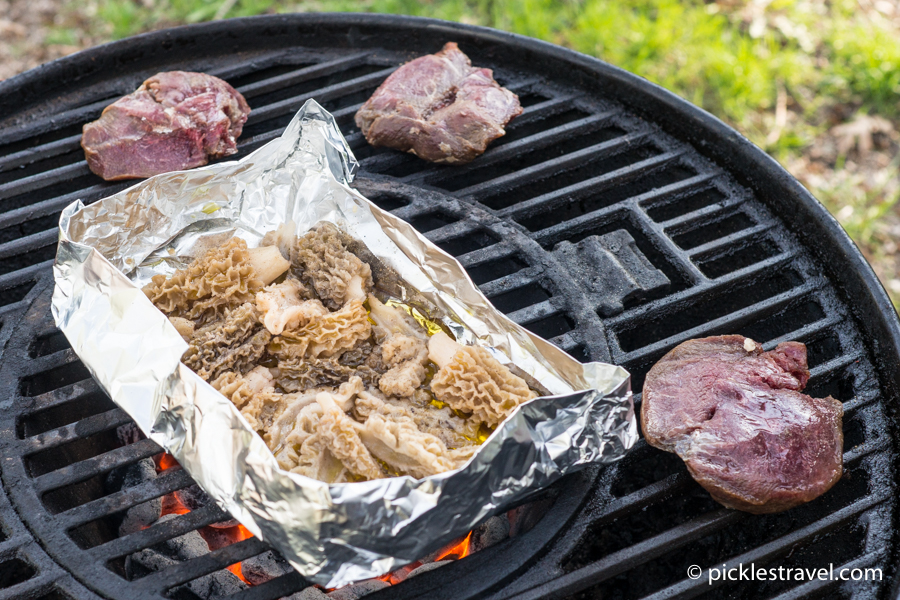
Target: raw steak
[(736, 416), (175, 120), (439, 107)]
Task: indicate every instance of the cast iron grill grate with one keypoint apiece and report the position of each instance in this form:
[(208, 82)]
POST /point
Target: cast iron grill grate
[(587, 223)]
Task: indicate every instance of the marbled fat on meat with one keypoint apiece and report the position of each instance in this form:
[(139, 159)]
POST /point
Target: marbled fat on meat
[(176, 120), (737, 417), (439, 107)]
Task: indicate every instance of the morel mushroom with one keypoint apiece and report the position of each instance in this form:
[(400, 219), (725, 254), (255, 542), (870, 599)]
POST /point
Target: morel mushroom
[(392, 435), (282, 307), (233, 344), (472, 381), (403, 349), (337, 274), (222, 278), (327, 335)]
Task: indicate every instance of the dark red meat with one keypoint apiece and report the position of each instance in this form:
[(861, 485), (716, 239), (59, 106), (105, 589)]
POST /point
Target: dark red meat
[(736, 416), (439, 107), (175, 120)]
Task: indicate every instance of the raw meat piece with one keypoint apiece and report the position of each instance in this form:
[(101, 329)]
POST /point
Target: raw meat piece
[(439, 107), (176, 120), (736, 416)]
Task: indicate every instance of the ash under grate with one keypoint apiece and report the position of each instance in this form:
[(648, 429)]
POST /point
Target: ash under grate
[(691, 245)]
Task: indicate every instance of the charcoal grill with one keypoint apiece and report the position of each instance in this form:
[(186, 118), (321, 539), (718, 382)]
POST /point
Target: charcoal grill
[(614, 219)]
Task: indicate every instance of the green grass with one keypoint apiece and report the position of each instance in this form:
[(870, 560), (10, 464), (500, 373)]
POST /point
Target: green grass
[(826, 61), (698, 50)]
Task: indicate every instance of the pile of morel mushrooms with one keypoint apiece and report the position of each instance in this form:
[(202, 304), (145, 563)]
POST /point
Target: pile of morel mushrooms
[(340, 385)]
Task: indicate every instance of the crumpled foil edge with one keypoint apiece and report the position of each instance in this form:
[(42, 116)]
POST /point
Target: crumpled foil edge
[(332, 534)]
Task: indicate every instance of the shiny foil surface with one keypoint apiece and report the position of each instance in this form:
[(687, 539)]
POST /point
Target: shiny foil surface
[(332, 534)]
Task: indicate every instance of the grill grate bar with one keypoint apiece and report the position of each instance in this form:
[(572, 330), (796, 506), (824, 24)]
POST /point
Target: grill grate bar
[(728, 204), (767, 552), (549, 167), (182, 524), (168, 481), (555, 199), (447, 232), (29, 274), (493, 252), (274, 589), (634, 556), (635, 316), (566, 341), (859, 401), (534, 312), (45, 179), (96, 465), (834, 364), (39, 152), (729, 322), (681, 260), (508, 283), (82, 114), (50, 361), (63, 395), (643, 497), (283, 107), (804, 332), (518, 147), (300, 75), (815, 587), (74, 431), (32, 588), (204, 565), (24, 245), (715, 247), (555, 233)]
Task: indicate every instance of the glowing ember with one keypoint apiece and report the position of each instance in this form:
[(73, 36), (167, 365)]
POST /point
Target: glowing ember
[(220, 537), (165, 461), (456, 551)]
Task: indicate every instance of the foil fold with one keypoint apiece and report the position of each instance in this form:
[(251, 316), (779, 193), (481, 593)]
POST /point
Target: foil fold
[(332, 534)]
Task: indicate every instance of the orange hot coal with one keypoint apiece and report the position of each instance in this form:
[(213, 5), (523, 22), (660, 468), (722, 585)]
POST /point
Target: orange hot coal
[(216, 537), (455, 550), (220, 537)]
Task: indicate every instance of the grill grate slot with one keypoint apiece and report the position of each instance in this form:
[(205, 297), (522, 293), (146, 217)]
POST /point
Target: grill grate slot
[(551, 175), (53, 379), (562, 141), (431, 220), (100, 436), (783, 322), (705, 311), (495, 269), (522, 127), (14, 572), (14, 294), (713, 231), (87, 405), (49, 343), (519, 298), (738, 257), (674, 207), (550, 215), (475, 240), (548, 327)]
